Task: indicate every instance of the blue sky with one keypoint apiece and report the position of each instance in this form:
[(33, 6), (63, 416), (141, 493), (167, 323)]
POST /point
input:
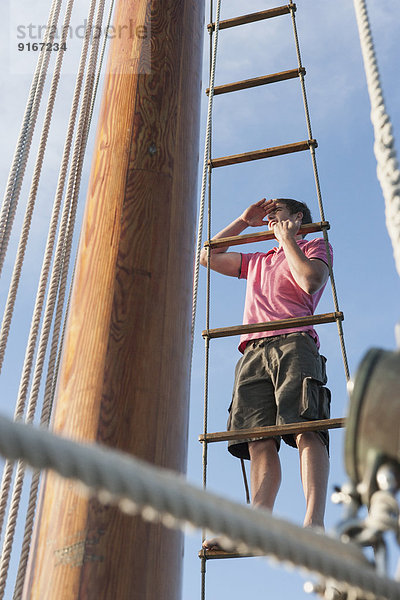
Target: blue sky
[(367, 282)]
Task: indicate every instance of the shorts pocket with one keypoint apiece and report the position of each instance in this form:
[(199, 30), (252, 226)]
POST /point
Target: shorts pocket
[(315, 400)]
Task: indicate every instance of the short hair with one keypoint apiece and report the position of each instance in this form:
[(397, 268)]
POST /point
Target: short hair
[(295, 206)]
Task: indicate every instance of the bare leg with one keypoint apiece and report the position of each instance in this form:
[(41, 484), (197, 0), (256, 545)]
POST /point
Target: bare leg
[(265, 473), (265, 479), (314, 469)]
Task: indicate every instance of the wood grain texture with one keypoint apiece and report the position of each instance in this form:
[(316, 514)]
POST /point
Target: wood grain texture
[(265, 432), (256, 81), (260, 236), (235, 159), (272, 325), (253, 17), (124, 380)]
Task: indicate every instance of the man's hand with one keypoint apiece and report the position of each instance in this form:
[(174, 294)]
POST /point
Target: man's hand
[(255, 214), (284, 230)]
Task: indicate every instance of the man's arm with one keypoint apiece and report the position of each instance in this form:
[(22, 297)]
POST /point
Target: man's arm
[(228, 263), (310, 274)]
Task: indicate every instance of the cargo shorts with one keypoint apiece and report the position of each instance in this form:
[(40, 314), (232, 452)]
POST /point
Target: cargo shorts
[(279, 380)]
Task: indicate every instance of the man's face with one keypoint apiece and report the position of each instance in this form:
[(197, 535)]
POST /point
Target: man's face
[(280, 212)]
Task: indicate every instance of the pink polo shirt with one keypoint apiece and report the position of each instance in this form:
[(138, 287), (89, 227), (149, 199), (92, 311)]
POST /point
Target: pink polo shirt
[(272, 293)]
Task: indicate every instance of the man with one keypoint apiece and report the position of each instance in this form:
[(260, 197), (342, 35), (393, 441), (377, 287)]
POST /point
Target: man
[(281, 376)]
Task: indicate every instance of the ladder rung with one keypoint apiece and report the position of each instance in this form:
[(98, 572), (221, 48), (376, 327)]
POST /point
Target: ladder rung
[(265, 153), (253, 17), (273, 325), (210, 554), (261, 236), (256, 81), (265, 432)]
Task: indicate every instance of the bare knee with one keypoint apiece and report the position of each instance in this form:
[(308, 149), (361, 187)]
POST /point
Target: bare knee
[(308, 439), (311, 445), (262, 447)]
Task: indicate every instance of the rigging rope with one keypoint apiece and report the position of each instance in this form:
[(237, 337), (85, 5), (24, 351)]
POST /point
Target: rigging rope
[(59, 282), (156, 494), (58, 278), (388, 172), (37, 314), (21, 155), (11, 199)]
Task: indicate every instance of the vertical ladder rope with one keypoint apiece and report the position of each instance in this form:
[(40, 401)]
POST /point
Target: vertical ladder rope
[(207, 146), (206, 177), (319, 193)]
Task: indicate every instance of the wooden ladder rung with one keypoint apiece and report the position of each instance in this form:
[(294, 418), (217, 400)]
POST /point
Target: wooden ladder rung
[(210, 554), (265, 432), (261, 236), (256, 81), (253, 17), (273, 325), (264, 153)]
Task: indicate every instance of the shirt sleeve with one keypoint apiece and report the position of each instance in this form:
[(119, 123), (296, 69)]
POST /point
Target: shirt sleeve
[(317, 249), (244, 265)]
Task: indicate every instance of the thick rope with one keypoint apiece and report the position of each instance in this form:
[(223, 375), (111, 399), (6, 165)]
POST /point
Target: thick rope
[(385, 152), (157, 494)]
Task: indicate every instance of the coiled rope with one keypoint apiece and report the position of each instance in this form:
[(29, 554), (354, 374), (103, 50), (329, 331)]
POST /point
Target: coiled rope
[(159, 494)]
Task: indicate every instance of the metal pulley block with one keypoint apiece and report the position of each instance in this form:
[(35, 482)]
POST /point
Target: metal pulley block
[(373, 422)]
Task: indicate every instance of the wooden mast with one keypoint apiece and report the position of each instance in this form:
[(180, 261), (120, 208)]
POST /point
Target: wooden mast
[(124, 379)]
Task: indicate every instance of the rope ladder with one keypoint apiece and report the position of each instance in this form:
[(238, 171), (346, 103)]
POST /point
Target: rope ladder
[(210, 163)]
